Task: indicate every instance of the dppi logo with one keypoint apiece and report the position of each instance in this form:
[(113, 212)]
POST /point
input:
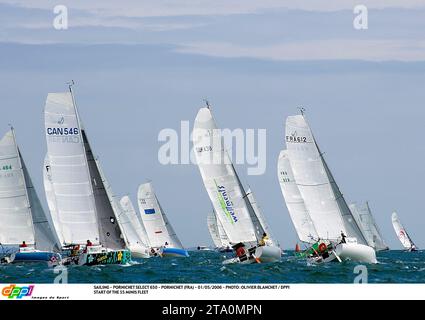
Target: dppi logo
[(295, 139), (13, 292)]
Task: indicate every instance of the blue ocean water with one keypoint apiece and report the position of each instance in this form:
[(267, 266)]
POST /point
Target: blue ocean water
[(207, 267)]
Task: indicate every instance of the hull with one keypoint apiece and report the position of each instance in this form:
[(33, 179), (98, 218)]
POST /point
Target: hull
[(140, 253), (356, 252), (268, 254), (35, 256), (105, 258), (174, 253), (339, 253)]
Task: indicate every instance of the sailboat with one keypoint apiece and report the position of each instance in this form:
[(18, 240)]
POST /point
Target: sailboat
[(218, 235), (133, 231), (336, 235), (84, 211), (161, 235), (25, 230), (402, 234), (227, 194), (364, 218)]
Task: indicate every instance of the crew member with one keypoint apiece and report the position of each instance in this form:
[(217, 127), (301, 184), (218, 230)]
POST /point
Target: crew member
[(264, 240), (343, 236), (23, 245)]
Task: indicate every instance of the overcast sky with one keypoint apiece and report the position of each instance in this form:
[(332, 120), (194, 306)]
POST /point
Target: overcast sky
[(141, 66)]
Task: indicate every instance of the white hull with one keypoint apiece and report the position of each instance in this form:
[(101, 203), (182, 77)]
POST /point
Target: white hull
[(267, 254), (356, 252)]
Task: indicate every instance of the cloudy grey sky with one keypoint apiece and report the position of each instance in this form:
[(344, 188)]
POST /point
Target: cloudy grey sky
[(141, 66)]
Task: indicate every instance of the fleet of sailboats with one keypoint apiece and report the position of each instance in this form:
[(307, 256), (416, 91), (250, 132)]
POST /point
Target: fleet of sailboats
[(86, 224)]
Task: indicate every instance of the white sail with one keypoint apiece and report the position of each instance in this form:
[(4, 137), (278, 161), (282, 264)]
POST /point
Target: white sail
[(213, 229), (221, 181), (15, 210), (263, 226), (295, 203), (324, 201), (401, 232), (156, 223), (70, 176), (51, 200), (368, 226), (135, 233), (45, 235)]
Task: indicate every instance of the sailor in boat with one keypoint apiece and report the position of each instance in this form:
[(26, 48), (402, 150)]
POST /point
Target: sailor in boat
[(240, 250), (343, 236), (88, 244), (264, 240), (166, 245), (23, 245)]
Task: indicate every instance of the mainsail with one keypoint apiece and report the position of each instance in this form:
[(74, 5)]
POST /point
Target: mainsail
[(158, 228), (15, 209), (221, 181), (133, 229), (262, 226), (368, 226), (295, 203), (70, 176), (401, 232), (323, 199)]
